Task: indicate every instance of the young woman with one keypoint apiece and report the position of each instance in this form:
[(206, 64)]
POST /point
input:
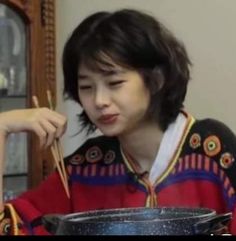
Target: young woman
[(130, 75)]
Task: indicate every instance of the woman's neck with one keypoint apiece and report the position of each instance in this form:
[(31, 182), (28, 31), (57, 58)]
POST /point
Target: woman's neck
[(142, 145)]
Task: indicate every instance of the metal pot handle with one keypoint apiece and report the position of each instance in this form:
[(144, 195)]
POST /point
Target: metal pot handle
[(51, 222), (216, 225)]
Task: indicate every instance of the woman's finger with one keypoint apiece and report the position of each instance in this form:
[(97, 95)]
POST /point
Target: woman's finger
[(50, 130), (41, 133)]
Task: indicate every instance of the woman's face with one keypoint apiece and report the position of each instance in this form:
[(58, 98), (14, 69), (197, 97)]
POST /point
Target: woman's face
[(116, 101)]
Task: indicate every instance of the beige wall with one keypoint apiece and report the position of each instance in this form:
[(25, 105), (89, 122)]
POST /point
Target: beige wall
[(208, 29)]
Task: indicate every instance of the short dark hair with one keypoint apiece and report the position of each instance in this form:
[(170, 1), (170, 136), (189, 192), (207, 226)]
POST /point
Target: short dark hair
[(135, 40)]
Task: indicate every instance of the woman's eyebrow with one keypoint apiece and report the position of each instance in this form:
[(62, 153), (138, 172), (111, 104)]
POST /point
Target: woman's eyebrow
[(104, 72), (82, 76), (113, 72)]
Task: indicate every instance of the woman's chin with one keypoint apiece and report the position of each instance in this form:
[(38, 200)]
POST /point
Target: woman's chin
[(110, 131)]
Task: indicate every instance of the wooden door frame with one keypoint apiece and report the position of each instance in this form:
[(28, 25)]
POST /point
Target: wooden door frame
[(39, 16)]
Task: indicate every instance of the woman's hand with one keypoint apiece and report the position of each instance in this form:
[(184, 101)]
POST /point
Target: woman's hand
[(45, 123)]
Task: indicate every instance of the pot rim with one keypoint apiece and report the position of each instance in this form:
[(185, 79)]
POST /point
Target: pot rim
[(85, 217)]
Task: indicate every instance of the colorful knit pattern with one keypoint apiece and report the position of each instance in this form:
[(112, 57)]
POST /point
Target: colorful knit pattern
[(201, 174)]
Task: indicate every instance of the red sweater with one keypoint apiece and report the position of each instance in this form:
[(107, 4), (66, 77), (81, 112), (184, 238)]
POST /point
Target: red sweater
[(200, 174)]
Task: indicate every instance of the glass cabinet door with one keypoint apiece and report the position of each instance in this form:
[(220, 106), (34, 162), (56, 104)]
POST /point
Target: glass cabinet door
[(13, 83), (27, 68)]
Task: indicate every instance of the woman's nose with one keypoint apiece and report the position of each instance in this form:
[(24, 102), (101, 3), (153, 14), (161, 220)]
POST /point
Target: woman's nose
[(102, 99)]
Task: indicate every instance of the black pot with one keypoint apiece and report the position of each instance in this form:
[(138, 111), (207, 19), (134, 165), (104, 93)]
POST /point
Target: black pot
[(139, 221)]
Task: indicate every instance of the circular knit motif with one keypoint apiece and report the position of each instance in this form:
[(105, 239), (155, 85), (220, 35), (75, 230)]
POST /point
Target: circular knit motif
[(77, 160), (226, 160), (195, 141), (93, 154), (5, 226), (109, 157), (212, 145)]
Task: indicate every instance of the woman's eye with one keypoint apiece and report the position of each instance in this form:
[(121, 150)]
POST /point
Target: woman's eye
[(85, 87), (115, 83)]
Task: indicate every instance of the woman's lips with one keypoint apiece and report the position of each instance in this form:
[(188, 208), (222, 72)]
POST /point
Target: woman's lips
[(108, 119)]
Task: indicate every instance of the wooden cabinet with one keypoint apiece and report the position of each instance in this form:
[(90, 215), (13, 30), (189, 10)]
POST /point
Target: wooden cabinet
[(28, 47)]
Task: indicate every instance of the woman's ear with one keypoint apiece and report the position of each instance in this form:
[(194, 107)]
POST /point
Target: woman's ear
[(157, 80)]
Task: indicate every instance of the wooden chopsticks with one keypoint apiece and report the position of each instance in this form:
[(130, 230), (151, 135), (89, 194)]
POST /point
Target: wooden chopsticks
[(56, 149)]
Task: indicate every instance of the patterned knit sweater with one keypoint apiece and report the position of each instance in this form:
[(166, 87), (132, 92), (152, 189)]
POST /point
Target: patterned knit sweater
[(201, 173)]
